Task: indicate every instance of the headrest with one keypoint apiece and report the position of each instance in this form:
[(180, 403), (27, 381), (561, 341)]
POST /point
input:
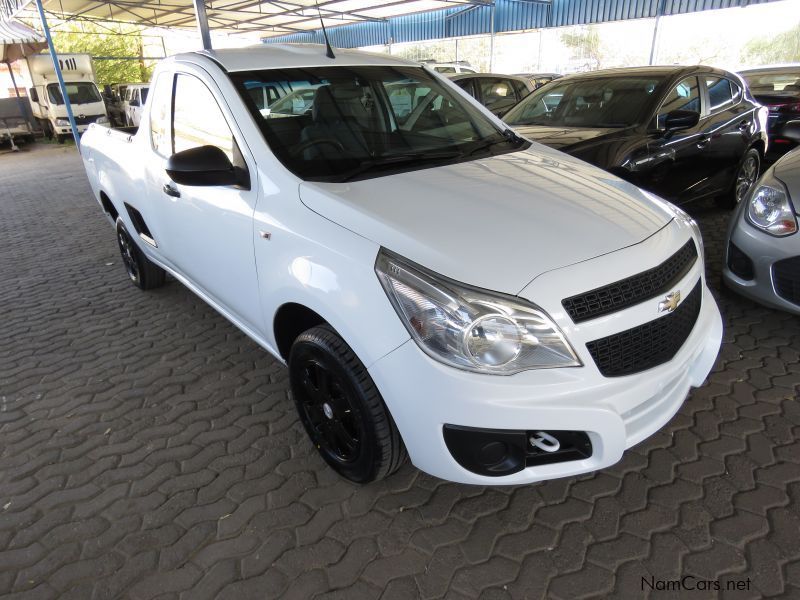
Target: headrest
[(335, 102)]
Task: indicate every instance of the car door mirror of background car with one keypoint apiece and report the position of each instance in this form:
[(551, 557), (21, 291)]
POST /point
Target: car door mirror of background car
[(204, 166), (681, 119), (791, 131)]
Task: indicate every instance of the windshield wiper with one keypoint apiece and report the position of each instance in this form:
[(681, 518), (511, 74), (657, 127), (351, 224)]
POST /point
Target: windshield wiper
[(509, 137), (394, 160)]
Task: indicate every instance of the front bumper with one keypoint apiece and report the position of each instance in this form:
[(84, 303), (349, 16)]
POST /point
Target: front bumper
[(424, 395), (763, 251)]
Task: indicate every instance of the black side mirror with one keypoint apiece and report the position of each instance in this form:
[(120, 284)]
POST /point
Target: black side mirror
[(791, 131), (681, 119), (202, 166), (133, 103)]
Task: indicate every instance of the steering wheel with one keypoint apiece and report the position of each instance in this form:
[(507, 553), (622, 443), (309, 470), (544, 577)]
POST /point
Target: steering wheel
[(317, 142)]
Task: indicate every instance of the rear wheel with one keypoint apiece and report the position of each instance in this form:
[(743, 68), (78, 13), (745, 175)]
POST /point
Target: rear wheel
[(341, 408), (746, 176), (141, 271)]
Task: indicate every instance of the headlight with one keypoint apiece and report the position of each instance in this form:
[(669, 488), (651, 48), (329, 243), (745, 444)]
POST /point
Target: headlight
[(469, 328), (102, 121), (62, 122), (769, 208)]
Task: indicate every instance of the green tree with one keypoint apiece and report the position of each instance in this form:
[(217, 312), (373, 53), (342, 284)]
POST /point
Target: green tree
[(781, 48), (101, 40), (585, 43)]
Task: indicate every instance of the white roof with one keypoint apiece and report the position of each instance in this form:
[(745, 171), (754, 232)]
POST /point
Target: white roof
[(282, 56)]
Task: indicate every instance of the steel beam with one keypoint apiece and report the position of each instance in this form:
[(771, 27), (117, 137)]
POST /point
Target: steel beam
[(59, 75), (202, 22)]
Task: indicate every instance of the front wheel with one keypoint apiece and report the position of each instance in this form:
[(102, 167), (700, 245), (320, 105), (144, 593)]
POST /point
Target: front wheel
[(746, 176), (143, 273), (341, 408)]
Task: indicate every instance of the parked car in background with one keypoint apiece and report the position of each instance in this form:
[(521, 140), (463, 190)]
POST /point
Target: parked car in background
[(684, 133), (133, 102), (539, 79), (498, 93), (763, 254), (448, 68), (443, 250), (777, 88), (113, 100)]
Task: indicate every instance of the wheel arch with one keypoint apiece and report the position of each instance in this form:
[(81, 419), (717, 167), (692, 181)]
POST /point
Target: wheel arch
[(291, 319)]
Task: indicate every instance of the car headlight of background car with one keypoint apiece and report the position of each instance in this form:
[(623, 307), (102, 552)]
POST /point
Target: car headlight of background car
[(770, 209), (103, 120), (469, 328), (62, 123)]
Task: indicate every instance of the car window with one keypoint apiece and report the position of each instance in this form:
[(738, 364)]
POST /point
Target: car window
[(762, 82), (445, 69), (588, 102), (197, 118), (684, 96), (467, 85), (144, 94), (496, 92), (720, 94), (370, 118), (160, 134), (404, 97)]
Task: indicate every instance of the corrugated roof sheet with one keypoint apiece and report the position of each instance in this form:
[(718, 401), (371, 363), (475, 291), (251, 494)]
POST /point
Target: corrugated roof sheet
[(510, 15)]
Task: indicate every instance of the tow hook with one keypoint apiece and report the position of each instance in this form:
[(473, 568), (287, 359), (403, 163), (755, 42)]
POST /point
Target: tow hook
[(544, 441)]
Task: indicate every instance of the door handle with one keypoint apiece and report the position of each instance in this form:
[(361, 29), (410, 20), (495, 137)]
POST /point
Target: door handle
[(169, 190), (702, 142), (744, 126)]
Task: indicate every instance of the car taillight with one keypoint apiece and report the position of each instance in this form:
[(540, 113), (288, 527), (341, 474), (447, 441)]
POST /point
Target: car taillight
[(790, 107)]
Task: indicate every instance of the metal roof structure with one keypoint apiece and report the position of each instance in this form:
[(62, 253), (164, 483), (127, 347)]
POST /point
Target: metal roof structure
[(267, 17), (501, 16), (18, 40)]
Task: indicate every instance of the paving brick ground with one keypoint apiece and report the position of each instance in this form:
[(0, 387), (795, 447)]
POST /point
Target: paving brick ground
[(150, 450)]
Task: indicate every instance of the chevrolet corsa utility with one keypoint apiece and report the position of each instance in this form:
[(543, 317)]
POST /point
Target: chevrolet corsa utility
[(500, 311)]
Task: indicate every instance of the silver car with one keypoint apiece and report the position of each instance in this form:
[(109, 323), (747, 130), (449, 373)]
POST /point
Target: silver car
[(762, 259)]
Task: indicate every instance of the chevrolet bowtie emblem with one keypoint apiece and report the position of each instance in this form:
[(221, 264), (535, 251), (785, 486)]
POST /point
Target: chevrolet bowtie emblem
[(670, 303)]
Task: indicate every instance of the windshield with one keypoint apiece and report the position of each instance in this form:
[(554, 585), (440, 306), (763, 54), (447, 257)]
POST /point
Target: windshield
[(773, 81), (588, 102), (79, 93), (339, 123)]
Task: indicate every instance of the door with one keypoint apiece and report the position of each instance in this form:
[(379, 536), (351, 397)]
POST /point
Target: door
[(728, 124), (676, 169), (206, 233)]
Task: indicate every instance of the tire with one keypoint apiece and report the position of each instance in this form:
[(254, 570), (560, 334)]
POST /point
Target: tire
[(341, 408), (141, 271), (745, 178), (61, 138)]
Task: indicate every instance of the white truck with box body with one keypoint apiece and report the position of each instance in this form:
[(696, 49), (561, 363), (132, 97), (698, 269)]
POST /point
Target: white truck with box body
[(47, 103)]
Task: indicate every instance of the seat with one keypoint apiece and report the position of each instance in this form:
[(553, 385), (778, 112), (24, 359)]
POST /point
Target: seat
[(339, 115)]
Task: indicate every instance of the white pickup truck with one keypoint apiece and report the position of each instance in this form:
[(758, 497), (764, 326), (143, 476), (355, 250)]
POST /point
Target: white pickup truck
[(499, 311)]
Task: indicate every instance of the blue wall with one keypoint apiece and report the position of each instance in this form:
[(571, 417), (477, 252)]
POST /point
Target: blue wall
[(510, 15)]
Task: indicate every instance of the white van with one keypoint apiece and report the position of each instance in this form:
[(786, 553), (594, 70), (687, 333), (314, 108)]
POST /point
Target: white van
[(133, 102), (44, 94)]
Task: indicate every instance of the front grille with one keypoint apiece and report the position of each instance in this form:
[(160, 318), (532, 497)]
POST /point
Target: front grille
[(633, 290), (86, 120), (786, 277), (649, 344), (739, 263)]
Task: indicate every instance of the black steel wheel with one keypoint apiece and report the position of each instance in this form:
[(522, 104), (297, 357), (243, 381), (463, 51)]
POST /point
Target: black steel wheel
[(143, 273), (341, 408)]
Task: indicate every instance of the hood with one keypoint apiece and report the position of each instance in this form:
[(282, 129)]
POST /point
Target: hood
[(787, 169), (497, 222), (564, 138)]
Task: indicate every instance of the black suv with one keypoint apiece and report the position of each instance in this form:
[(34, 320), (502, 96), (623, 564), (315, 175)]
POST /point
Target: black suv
[(684, 133)]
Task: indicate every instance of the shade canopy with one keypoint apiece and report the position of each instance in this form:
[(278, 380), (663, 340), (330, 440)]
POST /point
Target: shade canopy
[(267, 17), (18, 41)]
